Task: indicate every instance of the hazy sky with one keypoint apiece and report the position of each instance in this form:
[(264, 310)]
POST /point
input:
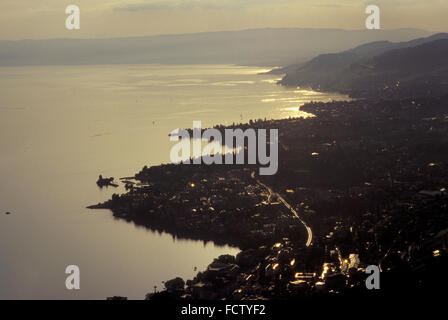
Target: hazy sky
[(39, 19)]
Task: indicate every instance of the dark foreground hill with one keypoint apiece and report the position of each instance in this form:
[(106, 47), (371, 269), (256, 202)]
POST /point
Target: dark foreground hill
[(380, 69)]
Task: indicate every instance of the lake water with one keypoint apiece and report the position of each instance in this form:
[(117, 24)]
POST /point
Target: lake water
[(60, 127)]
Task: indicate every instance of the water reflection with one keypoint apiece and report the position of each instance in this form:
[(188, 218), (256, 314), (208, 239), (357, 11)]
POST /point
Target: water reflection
[(60, 127)]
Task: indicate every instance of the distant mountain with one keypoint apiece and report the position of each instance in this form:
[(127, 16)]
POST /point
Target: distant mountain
[(378, 69), (262, 47), (410, 72)]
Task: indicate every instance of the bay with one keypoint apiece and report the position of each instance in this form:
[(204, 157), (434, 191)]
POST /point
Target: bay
[(62, 126)]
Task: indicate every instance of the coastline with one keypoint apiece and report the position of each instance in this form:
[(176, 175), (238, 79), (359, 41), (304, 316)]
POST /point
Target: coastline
[(345, 184)]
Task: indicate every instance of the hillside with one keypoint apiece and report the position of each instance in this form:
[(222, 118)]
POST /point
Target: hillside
[(373, 68)]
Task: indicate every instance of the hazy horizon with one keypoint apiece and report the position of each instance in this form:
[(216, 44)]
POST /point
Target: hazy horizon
[(38, 19), (267, 47), (225, 31)]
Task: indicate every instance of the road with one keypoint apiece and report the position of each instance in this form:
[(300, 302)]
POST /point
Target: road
[(290, 208)]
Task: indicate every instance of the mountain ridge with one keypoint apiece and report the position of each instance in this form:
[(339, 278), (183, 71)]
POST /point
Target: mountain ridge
[(263, 47), (360, 72)]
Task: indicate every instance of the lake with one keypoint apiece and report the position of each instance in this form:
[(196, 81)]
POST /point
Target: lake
[(60, 127)]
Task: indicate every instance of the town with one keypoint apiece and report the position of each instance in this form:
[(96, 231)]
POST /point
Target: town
[(368, 178)]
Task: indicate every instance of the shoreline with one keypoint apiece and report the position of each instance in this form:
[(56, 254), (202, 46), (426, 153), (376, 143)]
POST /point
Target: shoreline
[(364, 138)]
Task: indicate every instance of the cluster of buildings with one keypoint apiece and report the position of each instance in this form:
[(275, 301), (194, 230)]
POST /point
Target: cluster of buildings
[(369, 178)]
